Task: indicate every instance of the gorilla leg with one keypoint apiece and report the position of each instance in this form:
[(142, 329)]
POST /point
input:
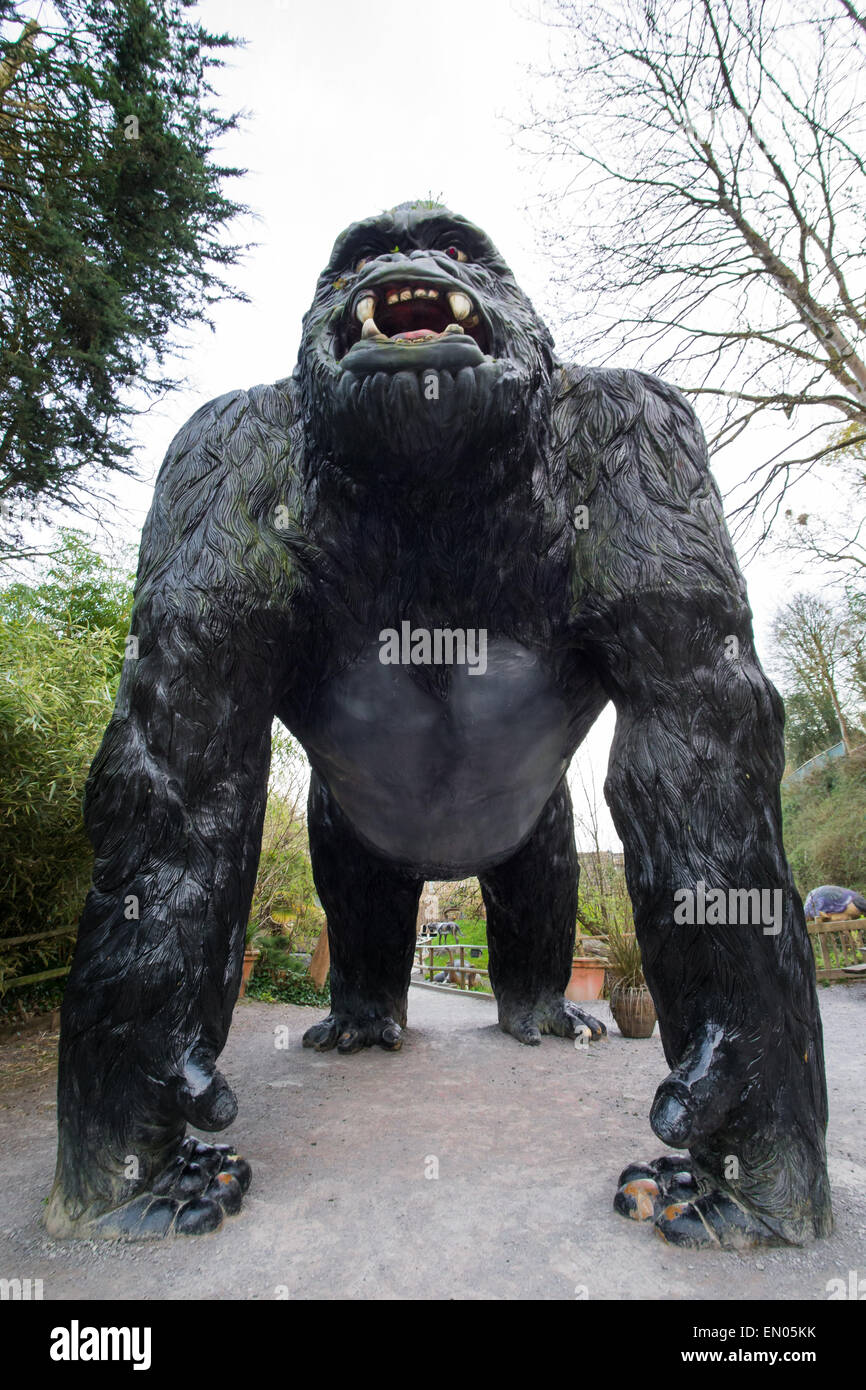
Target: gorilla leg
[(372, 908), (694, 791), (174, 808), (531, 903)]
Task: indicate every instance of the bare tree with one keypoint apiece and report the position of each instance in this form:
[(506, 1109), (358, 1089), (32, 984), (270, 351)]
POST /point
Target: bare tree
[(708, 207), (604, 900), (816, 648), (835, 540)]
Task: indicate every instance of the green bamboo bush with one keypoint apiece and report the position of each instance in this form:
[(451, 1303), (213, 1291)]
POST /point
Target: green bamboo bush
[(56, 695), (62, 632)]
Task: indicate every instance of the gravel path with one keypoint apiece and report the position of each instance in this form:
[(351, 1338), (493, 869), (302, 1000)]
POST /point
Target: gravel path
[(528, 1143)]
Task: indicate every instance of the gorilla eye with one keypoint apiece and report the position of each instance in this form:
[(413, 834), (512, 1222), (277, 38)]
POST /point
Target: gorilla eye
[(359, 265), (455, 253)]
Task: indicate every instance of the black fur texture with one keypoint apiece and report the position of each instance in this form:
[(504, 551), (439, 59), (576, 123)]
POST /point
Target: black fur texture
[(455, 481)]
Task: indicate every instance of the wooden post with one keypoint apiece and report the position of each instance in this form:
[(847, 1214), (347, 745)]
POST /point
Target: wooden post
[(428, 907), (321, 961)]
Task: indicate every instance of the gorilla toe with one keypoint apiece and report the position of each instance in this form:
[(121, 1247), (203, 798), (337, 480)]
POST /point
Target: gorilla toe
[(557, 1016), (192, 1194), (348, 1034), (666, 1194)]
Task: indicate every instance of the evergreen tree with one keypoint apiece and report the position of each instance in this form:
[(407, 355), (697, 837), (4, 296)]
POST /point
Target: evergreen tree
[(112, 229)]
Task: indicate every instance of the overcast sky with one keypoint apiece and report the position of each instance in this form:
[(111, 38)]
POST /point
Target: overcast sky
[(353, 107)]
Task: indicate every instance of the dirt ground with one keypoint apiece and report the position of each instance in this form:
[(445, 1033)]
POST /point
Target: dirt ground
[(527, 1143)]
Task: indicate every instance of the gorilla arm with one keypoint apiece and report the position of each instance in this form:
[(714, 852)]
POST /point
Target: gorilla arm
[(693, 787), (174, 806)]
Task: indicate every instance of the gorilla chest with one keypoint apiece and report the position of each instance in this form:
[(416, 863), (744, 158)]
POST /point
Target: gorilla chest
[(447, 773)]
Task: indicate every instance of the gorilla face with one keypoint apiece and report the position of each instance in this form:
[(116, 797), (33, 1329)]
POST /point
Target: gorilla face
[(420, 355)]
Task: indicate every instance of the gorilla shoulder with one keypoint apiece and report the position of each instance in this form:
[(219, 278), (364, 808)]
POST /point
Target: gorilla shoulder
[(610, 400), (215, 423), (232, 472)]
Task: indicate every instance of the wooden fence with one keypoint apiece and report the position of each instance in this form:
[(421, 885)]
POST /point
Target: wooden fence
[(40, 975), (837, 945), (839, 948), (456, 967)]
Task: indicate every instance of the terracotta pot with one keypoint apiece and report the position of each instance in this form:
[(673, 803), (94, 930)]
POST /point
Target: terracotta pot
[(587, 979), (633, 1009), (250, 958)]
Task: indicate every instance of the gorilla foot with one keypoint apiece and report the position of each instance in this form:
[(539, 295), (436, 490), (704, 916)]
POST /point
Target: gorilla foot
[(349, 1034), (666, 1193), (190, 1196), (557, 1016)]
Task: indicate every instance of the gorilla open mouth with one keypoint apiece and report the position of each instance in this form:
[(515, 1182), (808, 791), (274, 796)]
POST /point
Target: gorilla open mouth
[(393, 325)]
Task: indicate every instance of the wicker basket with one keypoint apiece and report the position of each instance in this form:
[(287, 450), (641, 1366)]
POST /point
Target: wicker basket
[(633, 1009)]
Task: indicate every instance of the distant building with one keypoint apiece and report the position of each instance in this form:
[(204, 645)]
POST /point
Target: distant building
[(602, 859)]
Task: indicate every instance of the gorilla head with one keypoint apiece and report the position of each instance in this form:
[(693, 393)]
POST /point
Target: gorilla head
[(421, 357)]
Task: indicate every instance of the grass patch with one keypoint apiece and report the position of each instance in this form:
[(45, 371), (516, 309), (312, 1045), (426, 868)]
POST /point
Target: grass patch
[(825, 825), (473, 933)]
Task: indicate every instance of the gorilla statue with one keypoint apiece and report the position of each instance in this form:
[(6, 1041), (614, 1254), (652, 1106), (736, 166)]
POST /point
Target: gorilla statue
[(433, 483)]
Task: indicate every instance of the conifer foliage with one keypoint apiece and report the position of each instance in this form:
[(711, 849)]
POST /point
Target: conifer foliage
[(113, 228)]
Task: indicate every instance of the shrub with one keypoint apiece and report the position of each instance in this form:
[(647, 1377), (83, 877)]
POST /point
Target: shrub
[(284, 902), (825, 825), (61, 653), (56, 695)]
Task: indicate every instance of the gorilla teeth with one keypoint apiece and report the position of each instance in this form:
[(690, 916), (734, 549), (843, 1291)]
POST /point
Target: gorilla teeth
[(406, 322), (370, 330), (410, 292)]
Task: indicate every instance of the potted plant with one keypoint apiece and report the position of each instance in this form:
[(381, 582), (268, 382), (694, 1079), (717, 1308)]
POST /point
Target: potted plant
[(587, 971), (269, 940), (630, 1000), (252, 951)]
